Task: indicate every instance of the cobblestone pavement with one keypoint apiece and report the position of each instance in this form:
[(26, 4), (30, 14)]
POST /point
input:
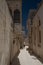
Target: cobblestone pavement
[(26, 59)]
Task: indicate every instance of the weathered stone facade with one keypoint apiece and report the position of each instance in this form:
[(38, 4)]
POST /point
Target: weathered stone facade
[(15, 5), (37, 32), (30, 28), (16, 9), (5, 33)]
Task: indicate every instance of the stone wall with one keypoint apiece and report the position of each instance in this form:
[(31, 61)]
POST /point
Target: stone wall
[(5, 33), (38, 26)]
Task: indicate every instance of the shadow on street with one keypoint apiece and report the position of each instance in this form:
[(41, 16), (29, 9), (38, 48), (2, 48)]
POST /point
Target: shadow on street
[(35, 56), (15, 60)]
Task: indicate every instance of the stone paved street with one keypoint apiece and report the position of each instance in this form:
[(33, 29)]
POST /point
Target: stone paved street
[(26, 59)]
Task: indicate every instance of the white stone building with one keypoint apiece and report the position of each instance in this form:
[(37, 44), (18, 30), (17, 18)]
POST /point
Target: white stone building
[(6, 33), (38, 32), (8, 46), (29, 27), (15, 7)]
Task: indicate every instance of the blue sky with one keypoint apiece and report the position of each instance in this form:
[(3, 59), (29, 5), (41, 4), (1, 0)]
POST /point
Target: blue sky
[(26, 6)]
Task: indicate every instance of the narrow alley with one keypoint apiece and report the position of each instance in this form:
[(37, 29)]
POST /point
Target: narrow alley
[(24, 58), (21, 32)]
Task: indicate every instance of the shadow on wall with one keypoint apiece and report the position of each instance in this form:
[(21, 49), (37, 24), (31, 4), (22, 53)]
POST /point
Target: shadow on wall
[(15, 60)]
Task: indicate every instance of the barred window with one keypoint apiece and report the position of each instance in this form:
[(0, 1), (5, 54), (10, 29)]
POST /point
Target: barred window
[(16, 16)]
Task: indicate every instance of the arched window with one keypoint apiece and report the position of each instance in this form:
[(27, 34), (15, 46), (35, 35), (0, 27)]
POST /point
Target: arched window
[(16, 16)]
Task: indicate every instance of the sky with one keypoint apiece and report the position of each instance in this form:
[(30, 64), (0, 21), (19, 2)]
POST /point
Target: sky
[(26, 6)]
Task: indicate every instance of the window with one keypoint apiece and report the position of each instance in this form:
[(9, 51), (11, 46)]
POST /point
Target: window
[(31, 22), (39, 20), (34, 35), (40, 36), (10, 11), (31, 34), (13, 41), (39, 45), (16, 16), (39, 23)]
